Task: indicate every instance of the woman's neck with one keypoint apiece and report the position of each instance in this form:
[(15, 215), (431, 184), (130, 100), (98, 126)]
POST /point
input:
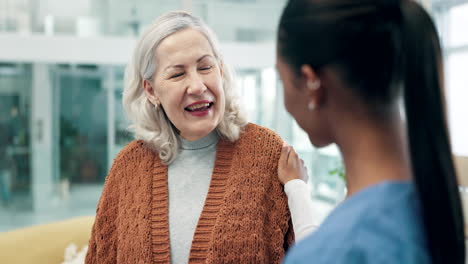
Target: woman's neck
[(204, 142), (374, 152)]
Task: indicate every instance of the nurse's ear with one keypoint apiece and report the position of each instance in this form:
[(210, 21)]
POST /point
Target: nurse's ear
[(315, 91)]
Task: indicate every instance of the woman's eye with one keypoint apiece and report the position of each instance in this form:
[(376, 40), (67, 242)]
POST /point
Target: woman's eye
[(176, 75), (205, 68)]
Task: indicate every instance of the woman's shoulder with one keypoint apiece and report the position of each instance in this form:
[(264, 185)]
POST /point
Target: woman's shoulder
[(137, 155), (134, 149), (258, 143), (135, 152), (260, 136)]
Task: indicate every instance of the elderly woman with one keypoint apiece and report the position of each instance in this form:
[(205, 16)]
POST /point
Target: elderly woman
[(199, 185)]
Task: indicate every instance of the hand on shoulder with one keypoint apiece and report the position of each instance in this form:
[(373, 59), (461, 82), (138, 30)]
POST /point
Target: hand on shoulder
[(290, 166)]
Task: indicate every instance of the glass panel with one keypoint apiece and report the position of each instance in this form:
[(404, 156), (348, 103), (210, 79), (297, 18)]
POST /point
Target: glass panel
[(15, 16), (247, 89), (246, 21), (122, 134), (458, 23), (122, 17), (457, 93), (82, 123), (15, 151), (268, 96)]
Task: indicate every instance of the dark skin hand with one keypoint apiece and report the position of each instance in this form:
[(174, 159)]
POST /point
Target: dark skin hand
[(290, 166)]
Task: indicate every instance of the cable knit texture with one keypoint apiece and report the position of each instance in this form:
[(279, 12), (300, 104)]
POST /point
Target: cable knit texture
[(245, 218)]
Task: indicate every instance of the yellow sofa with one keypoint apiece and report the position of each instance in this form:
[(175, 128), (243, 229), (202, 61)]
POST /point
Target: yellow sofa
[(44, 244)]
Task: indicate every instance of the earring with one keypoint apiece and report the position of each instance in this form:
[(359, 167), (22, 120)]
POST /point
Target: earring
[(311, 106), (155, 104), (313, 85)]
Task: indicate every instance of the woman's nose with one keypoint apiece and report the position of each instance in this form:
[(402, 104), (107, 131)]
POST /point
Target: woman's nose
[(196, 85)]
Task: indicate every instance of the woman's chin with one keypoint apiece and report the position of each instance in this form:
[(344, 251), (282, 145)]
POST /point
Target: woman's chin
[(317, 143)]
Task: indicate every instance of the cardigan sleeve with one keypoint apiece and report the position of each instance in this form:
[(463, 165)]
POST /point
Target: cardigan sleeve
[(102, 246)]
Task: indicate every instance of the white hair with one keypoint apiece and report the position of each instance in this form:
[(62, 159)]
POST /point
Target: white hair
[(150, 123)]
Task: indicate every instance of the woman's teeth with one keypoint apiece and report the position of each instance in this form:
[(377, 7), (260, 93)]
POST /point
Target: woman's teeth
[(198, 106)]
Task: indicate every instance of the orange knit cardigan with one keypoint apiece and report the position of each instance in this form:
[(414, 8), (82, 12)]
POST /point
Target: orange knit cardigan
[(245, 218)]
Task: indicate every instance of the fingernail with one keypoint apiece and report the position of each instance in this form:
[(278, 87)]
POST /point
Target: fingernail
[(285, 144)]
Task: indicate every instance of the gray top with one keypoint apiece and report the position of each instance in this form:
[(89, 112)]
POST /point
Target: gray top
[(189, 178)]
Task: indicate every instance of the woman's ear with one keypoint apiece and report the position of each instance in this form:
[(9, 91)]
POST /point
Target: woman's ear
[(310, 76), (315, 91), (151, 92), (221, 67)]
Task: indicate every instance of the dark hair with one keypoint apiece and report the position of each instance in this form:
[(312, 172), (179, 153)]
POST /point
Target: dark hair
[(378, 47)]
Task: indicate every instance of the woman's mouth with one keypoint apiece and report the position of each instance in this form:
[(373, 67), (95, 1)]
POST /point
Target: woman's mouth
[(199, 108)]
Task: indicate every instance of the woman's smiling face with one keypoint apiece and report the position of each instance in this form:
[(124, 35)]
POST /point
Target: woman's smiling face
[(188, 84)]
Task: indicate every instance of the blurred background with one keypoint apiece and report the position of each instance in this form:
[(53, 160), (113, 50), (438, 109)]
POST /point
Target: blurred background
[(61, 77)]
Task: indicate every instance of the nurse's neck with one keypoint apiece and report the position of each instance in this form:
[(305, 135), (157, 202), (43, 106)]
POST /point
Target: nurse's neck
[(374, 152)]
